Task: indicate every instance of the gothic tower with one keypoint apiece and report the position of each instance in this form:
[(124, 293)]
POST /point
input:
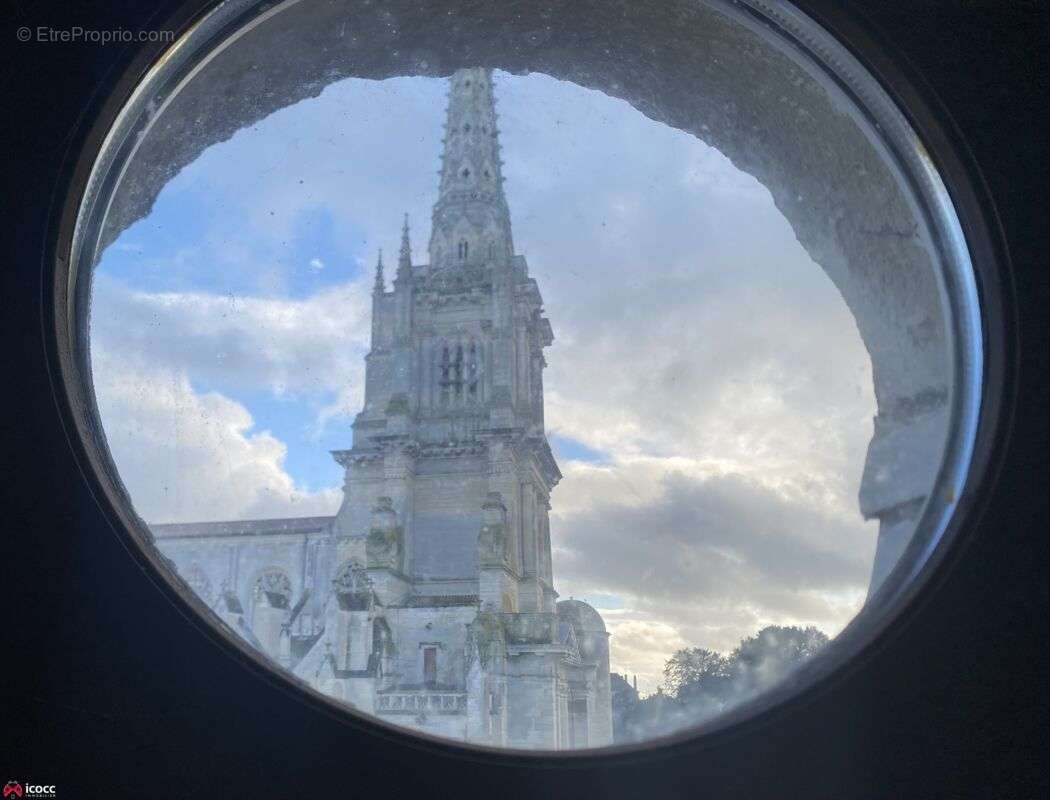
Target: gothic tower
[(448, 482), (454, 386)]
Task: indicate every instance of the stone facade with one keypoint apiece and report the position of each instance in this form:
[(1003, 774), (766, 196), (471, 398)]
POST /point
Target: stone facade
[(428, 599)]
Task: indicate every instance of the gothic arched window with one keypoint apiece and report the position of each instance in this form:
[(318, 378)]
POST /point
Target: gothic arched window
[(472, 372), (457, 372), (444, 382), (463, 250)]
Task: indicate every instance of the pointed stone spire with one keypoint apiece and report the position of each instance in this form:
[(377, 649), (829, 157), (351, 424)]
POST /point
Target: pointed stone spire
[(380, 284), (404, 258), (471, 221)]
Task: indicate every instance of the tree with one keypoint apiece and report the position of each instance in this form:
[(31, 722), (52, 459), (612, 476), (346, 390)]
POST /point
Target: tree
[(771, 654), (694, 669), (658, 714), (701, 683)]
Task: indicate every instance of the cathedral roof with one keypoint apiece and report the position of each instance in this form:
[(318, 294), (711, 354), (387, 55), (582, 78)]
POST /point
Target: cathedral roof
[(248, 527)]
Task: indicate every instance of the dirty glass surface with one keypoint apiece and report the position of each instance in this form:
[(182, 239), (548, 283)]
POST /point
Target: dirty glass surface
[(529, 402)]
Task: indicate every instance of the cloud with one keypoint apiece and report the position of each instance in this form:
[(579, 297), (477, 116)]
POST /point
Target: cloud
[(186, 456), (166, 366), (704, 558), (640, 645), (711, 539)]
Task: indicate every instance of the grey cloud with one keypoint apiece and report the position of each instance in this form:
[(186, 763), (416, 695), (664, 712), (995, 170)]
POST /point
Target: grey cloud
[(724, 542)]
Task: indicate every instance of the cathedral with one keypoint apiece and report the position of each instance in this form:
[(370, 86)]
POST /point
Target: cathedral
[(428, 599)]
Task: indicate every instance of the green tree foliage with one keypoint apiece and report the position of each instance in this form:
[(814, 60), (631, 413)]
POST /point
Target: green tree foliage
[(694, 666), (702, 683), (771, 654)]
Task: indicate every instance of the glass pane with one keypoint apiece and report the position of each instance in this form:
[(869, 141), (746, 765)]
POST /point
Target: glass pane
[(590, 438)]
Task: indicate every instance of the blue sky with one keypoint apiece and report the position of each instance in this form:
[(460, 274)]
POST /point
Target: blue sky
[(708, 397)]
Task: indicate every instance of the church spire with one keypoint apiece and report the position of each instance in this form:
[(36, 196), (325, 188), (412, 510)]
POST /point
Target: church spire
[(404, 257), (471, 223), (380, 284)]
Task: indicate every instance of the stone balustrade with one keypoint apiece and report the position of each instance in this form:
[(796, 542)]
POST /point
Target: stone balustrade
[(417, 701)]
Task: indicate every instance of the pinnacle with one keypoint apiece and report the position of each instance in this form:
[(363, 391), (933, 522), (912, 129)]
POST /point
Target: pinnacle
[(380, 284), (404, 260), (470, 172)]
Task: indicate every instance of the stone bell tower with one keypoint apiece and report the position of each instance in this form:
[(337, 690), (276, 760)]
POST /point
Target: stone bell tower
[(452, 427), (444, 520)]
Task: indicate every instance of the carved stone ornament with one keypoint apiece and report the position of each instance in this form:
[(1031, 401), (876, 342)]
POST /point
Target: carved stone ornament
[(276, 587), (492, 539), (353, 587), (384, 545)]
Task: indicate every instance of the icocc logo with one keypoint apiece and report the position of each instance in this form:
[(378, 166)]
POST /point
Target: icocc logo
[(17, 789)]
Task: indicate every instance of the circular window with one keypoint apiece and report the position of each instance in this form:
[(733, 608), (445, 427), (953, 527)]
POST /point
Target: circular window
[(673, 447)]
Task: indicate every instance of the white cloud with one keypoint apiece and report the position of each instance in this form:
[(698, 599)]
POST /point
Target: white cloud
[(192, 455), (639, 646), (186, 456)]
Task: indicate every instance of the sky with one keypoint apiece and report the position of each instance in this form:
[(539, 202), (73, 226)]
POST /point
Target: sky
[(707, 395)]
